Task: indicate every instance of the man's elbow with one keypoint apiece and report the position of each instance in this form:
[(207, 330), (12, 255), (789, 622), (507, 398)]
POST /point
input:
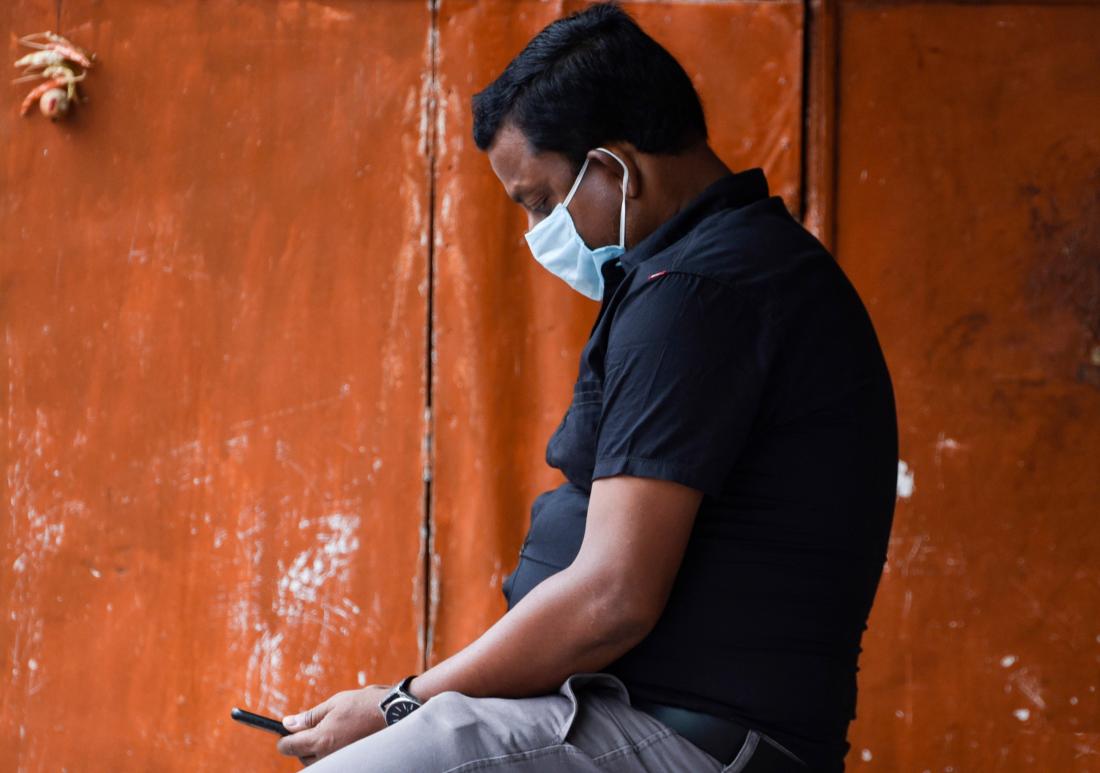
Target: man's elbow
[(623, 612)]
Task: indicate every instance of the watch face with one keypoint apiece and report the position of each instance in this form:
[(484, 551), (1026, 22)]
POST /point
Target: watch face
[(398, 709)]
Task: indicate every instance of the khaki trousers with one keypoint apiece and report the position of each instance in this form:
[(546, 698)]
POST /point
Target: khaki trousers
[(588, 725)]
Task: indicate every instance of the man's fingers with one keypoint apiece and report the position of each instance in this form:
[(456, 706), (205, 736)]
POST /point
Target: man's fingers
[(301, 744), (307, 718), (296, 722)]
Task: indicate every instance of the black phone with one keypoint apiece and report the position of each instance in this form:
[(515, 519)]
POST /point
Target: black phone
[(259, 720)]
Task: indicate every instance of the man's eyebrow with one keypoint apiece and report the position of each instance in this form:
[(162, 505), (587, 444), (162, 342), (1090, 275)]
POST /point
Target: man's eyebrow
[(519, 193)]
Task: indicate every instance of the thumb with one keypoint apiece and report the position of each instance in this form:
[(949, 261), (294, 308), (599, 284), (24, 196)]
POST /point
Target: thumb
[(307, 718)]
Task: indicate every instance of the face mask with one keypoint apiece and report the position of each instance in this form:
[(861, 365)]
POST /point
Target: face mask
[(556, 244)]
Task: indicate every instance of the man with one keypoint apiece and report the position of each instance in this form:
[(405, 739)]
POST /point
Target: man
[(694, 595)]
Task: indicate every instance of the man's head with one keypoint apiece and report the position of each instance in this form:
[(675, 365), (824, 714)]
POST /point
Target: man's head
[(589, 80)]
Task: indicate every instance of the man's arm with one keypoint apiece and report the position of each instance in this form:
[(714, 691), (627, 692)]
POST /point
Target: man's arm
[(578, 620), (587, 615)]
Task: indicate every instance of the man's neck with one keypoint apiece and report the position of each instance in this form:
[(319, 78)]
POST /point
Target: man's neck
[(683, 177)]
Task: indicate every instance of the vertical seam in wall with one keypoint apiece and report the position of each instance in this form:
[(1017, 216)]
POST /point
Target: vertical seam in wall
[(804, 161), (834, 147), (57, 20), (429, 582), (819, 119)]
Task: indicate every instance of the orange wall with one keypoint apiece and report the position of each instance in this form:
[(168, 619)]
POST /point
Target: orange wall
[(214, 306), (969, 217), (278, 370)]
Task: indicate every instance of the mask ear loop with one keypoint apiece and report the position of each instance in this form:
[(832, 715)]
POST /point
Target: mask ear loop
[(622, 210), (576, 183)]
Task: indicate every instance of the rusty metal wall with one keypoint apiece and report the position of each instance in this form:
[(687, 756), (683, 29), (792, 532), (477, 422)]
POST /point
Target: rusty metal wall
[(213, 297), (227, 282), (969, 218)]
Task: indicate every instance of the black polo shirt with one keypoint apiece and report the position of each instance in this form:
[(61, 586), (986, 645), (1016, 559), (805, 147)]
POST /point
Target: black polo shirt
[(732, 355)]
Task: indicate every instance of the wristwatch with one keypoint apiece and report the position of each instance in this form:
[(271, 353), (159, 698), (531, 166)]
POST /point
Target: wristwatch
[(399, 702)]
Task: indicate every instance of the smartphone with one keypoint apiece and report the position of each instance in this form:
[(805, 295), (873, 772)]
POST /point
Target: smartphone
[(259, 720)]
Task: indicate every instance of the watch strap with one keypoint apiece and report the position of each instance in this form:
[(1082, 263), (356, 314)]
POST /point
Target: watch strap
[(402, 688)]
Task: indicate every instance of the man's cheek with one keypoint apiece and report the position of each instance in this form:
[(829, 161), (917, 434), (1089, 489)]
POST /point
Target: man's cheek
[(594, 234)]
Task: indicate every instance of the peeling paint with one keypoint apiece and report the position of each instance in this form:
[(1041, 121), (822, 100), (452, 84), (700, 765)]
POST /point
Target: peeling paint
[(906, 481)]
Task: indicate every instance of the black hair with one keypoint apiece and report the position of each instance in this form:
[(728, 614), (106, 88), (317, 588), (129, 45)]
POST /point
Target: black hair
[(588, 79)]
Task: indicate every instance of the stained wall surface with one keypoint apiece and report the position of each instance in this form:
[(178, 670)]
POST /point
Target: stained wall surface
[(213, 300), (278, 370), (969, 218)]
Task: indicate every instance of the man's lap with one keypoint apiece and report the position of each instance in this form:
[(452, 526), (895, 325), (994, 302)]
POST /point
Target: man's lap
[(588, 725)]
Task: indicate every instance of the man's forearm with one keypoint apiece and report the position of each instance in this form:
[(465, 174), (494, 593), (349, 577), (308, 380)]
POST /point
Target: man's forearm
[(569, 623)]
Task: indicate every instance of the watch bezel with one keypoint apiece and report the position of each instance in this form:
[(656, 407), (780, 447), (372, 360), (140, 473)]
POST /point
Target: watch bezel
[(394, 705)]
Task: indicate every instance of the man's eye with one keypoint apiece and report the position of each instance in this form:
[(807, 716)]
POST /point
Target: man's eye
[(542, 207)]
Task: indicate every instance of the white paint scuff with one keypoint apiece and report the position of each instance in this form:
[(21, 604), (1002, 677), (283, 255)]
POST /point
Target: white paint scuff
[(265, 668), (944, 443), (906, 481), (315, 566), (1029, 687), (310, 601)]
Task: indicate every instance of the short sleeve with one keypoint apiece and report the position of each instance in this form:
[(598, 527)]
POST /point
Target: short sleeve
[(682, 381)]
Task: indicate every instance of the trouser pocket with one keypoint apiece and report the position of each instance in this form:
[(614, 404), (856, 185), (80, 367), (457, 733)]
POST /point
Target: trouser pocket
[(577, 683)]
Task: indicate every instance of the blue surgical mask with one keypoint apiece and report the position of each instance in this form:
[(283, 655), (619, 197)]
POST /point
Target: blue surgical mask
[(556, 244)]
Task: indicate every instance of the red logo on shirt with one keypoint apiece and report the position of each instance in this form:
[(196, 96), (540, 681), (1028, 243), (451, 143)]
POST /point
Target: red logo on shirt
[(654, 276)]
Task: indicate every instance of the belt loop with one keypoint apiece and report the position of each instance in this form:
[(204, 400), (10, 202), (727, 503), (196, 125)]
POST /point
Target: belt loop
[(748, 748)]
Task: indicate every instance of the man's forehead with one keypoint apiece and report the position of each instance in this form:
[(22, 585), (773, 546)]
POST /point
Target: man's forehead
[(519, 167)]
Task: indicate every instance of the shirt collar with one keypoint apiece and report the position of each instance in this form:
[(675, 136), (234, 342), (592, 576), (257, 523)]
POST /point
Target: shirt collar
[(730, 191)]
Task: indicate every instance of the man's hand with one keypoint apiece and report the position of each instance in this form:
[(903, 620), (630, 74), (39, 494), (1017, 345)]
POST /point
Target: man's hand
[(333, 724)]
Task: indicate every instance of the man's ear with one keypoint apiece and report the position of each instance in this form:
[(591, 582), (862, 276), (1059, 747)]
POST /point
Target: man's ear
[(629, 155)]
